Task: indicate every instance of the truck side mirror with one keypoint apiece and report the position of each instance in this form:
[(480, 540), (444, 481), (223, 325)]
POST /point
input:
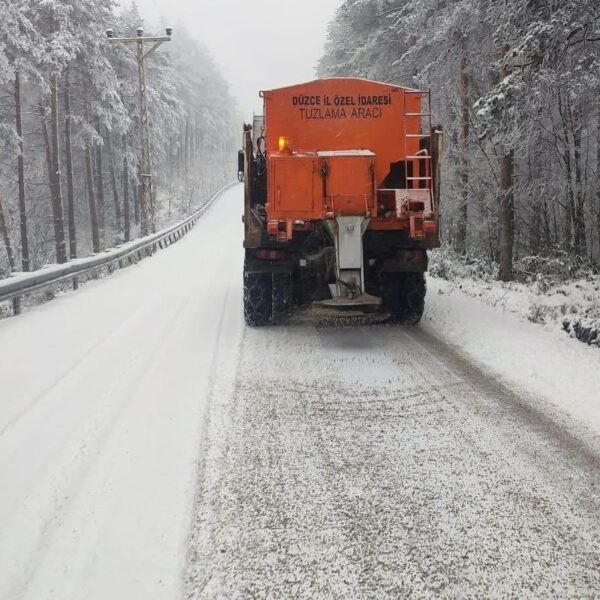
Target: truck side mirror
[(241, 165)]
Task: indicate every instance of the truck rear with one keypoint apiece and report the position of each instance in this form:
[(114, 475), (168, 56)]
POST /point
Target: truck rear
[(341, 198)]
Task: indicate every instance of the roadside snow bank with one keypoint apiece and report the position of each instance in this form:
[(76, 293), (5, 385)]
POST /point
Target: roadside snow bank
[(549, 291), (491, 322)]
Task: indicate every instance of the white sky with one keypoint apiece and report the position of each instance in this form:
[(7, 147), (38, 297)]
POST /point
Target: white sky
[(258, 44)]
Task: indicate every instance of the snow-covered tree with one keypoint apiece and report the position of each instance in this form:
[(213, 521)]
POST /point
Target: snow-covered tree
[(69, 128), (516, 85)]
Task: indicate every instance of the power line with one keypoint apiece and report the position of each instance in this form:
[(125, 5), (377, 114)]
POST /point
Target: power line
[(141, 48)]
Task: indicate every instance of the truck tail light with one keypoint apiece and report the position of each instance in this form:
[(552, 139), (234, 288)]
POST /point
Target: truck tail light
[(264, 254), (429, 227), (410, 254)]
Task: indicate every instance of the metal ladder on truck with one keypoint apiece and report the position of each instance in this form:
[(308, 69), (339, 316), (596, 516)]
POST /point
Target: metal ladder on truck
[(419, 187)]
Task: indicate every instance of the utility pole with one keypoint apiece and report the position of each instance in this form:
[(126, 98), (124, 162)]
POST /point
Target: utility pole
[(141, 48)]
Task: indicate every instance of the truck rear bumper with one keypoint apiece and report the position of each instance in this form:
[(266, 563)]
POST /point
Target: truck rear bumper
[(329, 312), (364, 303)]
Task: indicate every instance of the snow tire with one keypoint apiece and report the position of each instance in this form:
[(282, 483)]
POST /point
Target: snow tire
[(257, 298), (282, 296), (403, 295)]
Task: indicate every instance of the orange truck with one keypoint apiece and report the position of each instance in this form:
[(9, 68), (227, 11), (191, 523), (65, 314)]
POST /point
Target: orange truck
[(341, 179)]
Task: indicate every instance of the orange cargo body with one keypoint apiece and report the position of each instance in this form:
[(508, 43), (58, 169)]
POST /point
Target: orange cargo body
[(341, 190), (299, 193), (356, 131)]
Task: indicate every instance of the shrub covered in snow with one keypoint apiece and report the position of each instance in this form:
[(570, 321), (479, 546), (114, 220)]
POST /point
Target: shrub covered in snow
[(447, 264), (557, 291)]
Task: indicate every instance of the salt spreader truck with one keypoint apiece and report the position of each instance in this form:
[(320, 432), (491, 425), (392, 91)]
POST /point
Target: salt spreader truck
[(341, 198)]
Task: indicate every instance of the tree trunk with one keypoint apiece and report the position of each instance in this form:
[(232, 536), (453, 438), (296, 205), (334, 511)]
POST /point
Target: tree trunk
[(136, 207), (137, 198), (187, 146), (570, 240), (547, 235), (180, 153), (507, 207), (186, 166), (21, 177), (52, 185), (579, 224), (569, 232), (113, 181), (48, 151), (170, 174), (6, 238), (598, 179), (126, 212), (69, 163), (59, 225), (461, 233), (100, 184), (555, 223), (507, 215), (92, 199), (536, 207), (136, 190)]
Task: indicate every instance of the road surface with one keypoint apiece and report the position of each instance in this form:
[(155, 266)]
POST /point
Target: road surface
[(152, 446)]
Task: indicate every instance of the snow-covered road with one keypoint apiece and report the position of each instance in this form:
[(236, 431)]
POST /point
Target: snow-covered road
[(102, 397), (378, 463), (151, 446)]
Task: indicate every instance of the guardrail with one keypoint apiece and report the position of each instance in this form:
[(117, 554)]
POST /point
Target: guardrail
[(20, 284)]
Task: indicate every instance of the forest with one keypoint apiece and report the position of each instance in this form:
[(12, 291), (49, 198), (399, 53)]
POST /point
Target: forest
[(515, 84), (70, 132)]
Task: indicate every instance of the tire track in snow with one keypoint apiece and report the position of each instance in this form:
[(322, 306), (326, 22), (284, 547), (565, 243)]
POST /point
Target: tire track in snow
[(572, 437), (102, 457), (83, 464), (362, 463), (80, 359)]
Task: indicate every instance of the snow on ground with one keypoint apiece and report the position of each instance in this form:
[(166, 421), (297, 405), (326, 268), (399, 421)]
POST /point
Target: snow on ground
[(490, 322), (319, 443), (375, 463), (102, 397), (555, 292)]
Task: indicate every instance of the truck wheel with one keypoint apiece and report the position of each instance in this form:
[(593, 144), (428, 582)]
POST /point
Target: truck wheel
[(282, 296), (411, 297), (257, 298), (403, 295)]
